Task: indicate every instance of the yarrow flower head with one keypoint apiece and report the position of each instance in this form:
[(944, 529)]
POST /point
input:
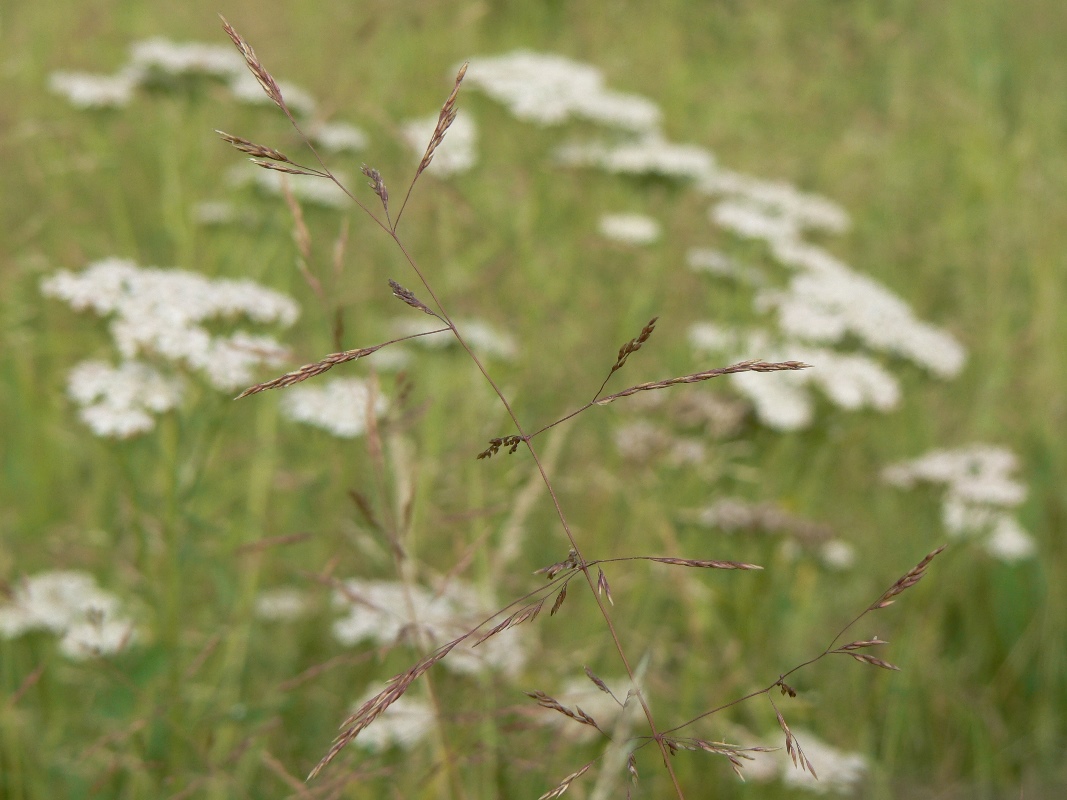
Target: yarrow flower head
[(339, 137), (160, 312), (339, 406), (387, 612), (633, 229), (650, 154), (457, 152), (71, 605), (284, 604), (550, 89), (404, 724), (119, 402), (86, 90), (849, 380), (979, 491), (159, 56)]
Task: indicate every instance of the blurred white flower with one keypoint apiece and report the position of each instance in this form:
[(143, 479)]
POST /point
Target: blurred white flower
[(71, 605), (386, 611), (159, 312), (86, 90), (979, 490), (717, 263), (214, 212), (549, 89), (246, 89), (184, 58), (778, 199), (282, 605), (635, 229), (850, 381), (838, 554), (338, 405), (483, 338), (651, 154), (403, 724), (753, 221), (119, 402), (839, 771), (338, 137), (456, 153), (312, 189)]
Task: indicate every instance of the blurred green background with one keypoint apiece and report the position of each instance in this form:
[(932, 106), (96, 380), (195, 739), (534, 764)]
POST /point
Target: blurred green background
[(940, 127)]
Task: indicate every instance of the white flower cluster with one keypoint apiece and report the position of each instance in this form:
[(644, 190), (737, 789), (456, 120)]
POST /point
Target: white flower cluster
[(387, 612), (70, 605), (403, 724), (284, 604), (339, 137), (720, 265), (839, 772), (781, 399), (550, 89), (160, 312), (455, 154), (157, 59), (648, 154), (118, 402), (827, 300), (86, 90), (308, 188), (632, 229), (483, 338), (339, 406), (979, 491)]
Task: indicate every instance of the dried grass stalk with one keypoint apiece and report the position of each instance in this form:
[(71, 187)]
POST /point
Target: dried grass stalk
[(755, 365), (253, 149), (409, 297), (792, 746), (378, 185), (634, 345), (906, 581), (310, 370), (602, 585), (559, 601), (444, 122), (266, 80), (565, 784), (600, 684), (701, 563), (552, 704)]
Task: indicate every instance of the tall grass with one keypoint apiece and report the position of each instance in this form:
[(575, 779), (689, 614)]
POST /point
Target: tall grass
[(938, 133)]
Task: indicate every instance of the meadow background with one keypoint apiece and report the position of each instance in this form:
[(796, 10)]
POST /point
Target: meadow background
[(940, 128)]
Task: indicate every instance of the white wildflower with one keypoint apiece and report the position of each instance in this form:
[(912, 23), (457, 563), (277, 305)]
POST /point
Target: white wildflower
[(214, 212), (979, 488), (550, 89), (1009, 541), (780, 199), (823, 306), (483, 338), (71, 605), (753, 221), (457, 152), (977, 473), (717, 263), (383, 611), (339, 137), (160, 55), (403, 724), (650, 154), (160, 312), (246, 89), (309, 188), (339, 406), (838, 554), (119, 402), (635, 229), (96, 637), (282, 605), (839, 771), (86, 90), (640, 441)]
